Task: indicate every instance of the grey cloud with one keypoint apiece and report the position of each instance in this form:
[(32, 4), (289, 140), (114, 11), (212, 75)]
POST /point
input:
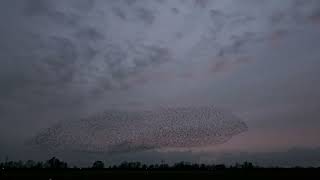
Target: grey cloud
[(56, 60), (38, 7), (238, 43), (83, 5), (201, 3), (216, 14), (90, 52), (146, 56), (65, 19), (158, 54), (175, 10), (130, 2), (161, 1), (47, 7), (227, 65), (220, 66), (134, 11), (315, 17), (146, 15), (305, 11), (221, 20), (120, 13), (89, 34), (114, 56), (117, 64), (278, 17), (42, 69), (279, 34), (243, 20), (49, 10)]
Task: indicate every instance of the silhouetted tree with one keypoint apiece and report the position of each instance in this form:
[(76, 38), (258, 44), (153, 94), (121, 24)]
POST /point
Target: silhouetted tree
[(13, 164), (151, 166), (30, 164), (247, 165), (55, 163), (144, 166), (124, 165), (98, 165), (237, 165), (220, 167), (134, 165), (39, 165)]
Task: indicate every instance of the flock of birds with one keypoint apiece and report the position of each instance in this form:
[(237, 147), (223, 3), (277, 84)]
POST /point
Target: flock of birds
[(116, 131)]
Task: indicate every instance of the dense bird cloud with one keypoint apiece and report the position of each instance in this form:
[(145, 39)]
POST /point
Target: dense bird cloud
[(131, 131)]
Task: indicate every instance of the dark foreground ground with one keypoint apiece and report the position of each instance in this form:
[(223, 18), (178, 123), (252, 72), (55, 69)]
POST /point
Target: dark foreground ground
[(313, 173)]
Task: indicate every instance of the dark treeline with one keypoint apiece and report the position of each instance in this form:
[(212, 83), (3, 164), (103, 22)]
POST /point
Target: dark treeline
[(55, 163)]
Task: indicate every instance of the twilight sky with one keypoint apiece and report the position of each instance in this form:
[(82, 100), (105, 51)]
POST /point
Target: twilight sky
[(63, 60)]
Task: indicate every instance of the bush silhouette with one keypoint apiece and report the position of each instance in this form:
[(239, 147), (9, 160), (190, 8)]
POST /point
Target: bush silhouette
[(55, 163), (98, 165)]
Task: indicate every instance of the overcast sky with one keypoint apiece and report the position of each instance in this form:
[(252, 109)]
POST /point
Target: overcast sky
[(64, 60)]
